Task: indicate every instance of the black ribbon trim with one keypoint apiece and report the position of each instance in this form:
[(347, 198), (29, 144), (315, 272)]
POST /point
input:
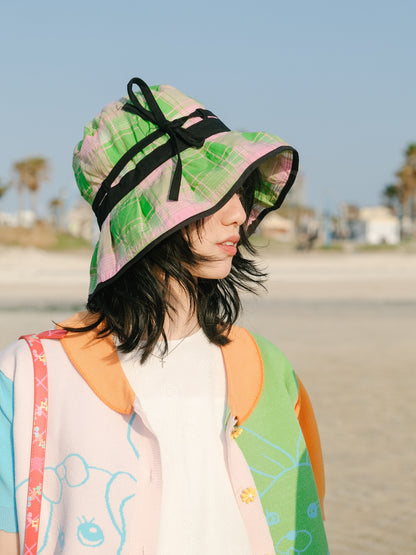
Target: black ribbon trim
[(172, 128), (146, 141), (108, 197), (179, 140)]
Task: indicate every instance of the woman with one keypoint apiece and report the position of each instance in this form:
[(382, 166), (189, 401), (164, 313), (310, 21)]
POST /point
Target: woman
[(154, 383)]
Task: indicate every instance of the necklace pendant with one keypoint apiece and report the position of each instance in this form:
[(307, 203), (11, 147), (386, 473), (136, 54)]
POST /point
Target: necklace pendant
[(162, 361)]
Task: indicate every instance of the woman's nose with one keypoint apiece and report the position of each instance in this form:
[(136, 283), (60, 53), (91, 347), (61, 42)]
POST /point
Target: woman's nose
[(233, 211)]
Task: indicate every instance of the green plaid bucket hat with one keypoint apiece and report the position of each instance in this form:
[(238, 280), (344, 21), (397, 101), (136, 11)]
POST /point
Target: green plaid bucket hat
[(156, 160)]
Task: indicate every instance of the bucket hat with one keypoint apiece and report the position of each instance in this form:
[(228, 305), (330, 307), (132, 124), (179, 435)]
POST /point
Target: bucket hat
[(156, 160)]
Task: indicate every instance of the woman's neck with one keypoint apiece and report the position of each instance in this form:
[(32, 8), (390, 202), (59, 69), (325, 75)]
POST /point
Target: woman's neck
[(183, 320)]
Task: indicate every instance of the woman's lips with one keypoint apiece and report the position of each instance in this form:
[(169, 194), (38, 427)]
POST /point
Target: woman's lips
[(230, 245), (229, 249)]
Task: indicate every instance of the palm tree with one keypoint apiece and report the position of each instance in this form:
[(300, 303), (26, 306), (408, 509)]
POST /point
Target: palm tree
[(4, 187), (407, 182), (31, 172), (55, 206), (392, 198)]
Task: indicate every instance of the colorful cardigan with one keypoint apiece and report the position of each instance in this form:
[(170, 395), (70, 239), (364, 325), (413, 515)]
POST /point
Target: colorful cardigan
[(102, 481)]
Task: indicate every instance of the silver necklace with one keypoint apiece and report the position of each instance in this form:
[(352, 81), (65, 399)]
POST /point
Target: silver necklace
[(163, 357)]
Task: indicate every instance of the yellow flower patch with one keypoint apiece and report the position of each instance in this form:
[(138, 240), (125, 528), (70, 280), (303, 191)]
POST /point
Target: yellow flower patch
[(236, 432), (248, 495)]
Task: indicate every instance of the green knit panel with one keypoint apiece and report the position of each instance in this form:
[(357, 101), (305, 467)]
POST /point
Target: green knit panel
[(275, 450)]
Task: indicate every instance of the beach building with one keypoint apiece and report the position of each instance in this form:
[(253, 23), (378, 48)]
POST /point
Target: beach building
[(25, 218), (277, 227), (375, 225), (81, 222)]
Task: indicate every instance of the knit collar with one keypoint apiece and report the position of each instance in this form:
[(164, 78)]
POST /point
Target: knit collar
[(96, 359)]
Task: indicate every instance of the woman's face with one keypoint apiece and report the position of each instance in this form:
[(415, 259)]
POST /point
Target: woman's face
[(217, 240)]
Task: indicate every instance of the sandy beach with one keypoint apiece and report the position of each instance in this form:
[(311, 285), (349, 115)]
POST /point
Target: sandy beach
[(347, 322)]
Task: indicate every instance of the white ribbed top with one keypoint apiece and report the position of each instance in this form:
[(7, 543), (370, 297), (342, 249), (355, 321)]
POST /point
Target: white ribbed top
[(185, 402)]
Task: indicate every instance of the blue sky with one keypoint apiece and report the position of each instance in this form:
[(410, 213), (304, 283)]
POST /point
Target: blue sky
[(336, 80)]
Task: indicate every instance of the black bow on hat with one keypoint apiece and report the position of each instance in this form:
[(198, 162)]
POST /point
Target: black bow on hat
[(172, 128), (180, 139)]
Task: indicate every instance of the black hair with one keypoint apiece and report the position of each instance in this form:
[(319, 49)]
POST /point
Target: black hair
[(134, 306)]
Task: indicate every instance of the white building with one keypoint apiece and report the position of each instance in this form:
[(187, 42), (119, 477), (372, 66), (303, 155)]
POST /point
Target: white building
[(377, 225), (26, 218), (81, 222), (276, 227)]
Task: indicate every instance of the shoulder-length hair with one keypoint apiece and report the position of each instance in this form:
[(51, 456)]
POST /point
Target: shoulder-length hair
[(135, 305)]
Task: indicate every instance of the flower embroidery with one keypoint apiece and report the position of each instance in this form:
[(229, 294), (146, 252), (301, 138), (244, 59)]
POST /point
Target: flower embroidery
[(39, 357), (33, 522), (248, 495), (42, 443), (42, 409)]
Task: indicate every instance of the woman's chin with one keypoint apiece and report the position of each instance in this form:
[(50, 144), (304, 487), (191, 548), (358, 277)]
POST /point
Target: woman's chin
[(219, 271)]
